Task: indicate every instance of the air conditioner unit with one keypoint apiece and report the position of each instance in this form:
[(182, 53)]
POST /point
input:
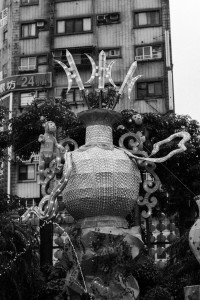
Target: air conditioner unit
[(147, 56), (101, 19), (140, 57), (40, 24), (114, 17), (114, 52)]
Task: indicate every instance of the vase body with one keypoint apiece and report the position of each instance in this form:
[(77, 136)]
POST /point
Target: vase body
[(194, 236), (104, 181)]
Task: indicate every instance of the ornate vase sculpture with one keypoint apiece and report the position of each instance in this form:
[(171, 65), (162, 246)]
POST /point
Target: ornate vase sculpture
[(100, 186), (104, 180)]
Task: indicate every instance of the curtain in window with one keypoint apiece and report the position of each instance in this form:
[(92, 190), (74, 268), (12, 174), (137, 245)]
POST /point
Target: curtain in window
[(142, 19), (87, 26), (32, 29), (24, 30), (60, 26), (26, 99), (24, 61), (151, 90), (31, 172)]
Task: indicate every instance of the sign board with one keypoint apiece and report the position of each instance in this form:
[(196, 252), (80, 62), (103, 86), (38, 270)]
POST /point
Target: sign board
[(3, 17), (25, 82)]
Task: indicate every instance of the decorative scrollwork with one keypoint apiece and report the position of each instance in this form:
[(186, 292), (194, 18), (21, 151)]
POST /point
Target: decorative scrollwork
[(47, 207), (181, 148), (150, 186), (67, 143), (134, 143), (181, 145), (148, 202), (52, 158)]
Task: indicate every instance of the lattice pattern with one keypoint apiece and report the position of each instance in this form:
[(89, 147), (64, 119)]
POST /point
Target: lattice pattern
[(102, 182), (99, 134)]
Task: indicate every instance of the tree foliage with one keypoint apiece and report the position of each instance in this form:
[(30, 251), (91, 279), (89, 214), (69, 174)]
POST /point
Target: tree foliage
[(26, 128), (180, 183), (179, 175), (20, 276)]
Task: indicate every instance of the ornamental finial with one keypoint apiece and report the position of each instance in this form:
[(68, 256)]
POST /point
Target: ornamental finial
[(103, 72)]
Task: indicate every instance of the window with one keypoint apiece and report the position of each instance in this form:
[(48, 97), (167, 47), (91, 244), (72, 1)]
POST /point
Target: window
[(73, 97), (42, 60), (5, 70), (28, 63), (148, 18), (26, 172), (41, 94), (29, 2), (78, 55), (148, 52), (27, 98), (28, 30), (149, 89), (108, 19), (73, 26), (112, 53)]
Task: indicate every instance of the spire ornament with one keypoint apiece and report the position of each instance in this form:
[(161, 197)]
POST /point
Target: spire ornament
[(103, 72)]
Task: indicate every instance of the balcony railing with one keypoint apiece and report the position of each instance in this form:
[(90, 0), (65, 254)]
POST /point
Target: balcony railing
[(27, 68), (149, 56)]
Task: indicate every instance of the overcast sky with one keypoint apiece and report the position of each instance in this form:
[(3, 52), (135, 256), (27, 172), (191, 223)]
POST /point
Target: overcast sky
[(185, 30)]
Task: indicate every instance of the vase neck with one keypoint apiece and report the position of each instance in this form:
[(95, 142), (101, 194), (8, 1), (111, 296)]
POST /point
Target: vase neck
[(99, 134)]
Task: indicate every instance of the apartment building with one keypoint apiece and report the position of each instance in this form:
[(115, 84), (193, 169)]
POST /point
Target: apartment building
[(35, 32)]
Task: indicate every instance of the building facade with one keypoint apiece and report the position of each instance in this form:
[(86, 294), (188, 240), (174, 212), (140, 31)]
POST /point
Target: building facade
[(35, 32)]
